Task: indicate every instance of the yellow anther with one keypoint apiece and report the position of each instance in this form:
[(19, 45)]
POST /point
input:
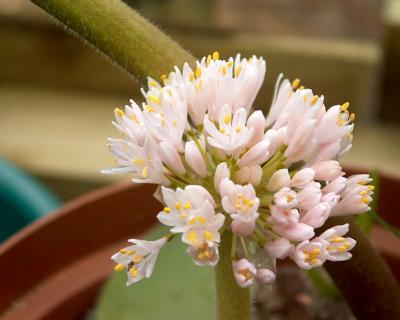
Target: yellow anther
[(363, 193), (167, 209), (315, 251), (119, 112), (295, 83), (133, 272), (192, 237), (238, 129), (345, 106), (336, 239), (342, 249), (202, 220), (208, 235), (314, 100), (229, 64), (187, 205), (149, 108), (238, 70), (215, 55), (223, 70), (352, 117), (315, 261), (248, 202), (341, 122), (137, 161), (134, 118), (370, 188), (175, 123), (191, 76), (126, 251), (246, 273), (302, 87), (222, 130), (137, 258), (227, 118), (178, 205), (192, 221), (153, 83), (164, 78), (209, 59), (364, 200), (145, 172), (153, 99), (119, 267), (198, 72)]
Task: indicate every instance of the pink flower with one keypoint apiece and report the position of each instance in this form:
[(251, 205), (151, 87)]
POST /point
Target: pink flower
[(317, 216), (337, 247), (265, 276), (279, 180), (244, 272), (286, 198), (195, 159), (295, 231), (309, 255), (279, 248), (310, 196), (327, 170)]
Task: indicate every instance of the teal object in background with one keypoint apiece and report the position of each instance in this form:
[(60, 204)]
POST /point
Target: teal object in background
[(22, 199)]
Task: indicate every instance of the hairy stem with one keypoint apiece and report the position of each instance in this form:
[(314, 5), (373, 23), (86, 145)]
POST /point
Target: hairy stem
[(128, 39), (365, 280), (233, 302)]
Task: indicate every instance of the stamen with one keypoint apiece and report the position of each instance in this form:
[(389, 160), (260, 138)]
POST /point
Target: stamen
[(228, 118), (119, 112), (215, 55), (314, 99), (154, 99), (119, 267), (133, 272), (198, 72), (167, 210), (208, 235), (178, 205), (345, 106), (295, 83)]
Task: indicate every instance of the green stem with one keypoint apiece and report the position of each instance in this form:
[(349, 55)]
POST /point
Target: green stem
[(233, 302), (119, 32)]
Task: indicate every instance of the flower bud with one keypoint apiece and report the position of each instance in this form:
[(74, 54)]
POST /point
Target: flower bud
[(195, 159), (170, 156)]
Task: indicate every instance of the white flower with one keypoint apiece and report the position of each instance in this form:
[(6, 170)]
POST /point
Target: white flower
[(244, 272), (232, 133), (274, 178), (143, 162), (138, 259), (203, 254), (165, 115), (191, 212), (242, 204), (337, 247)]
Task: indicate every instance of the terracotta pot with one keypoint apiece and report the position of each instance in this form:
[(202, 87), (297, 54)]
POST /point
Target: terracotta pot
[(53, 269)]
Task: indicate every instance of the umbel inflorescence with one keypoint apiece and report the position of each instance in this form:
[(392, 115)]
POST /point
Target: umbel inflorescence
[(270, 181)]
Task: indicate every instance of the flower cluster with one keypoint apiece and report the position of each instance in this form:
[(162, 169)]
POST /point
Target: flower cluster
[(269, 181)]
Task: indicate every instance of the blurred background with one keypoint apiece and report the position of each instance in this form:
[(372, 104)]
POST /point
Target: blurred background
[(57, 95)]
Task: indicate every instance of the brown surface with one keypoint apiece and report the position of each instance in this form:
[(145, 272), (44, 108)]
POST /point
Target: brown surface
[(60, 260)]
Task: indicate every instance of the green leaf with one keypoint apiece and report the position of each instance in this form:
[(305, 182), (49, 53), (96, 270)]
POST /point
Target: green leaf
[(178, 289)]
